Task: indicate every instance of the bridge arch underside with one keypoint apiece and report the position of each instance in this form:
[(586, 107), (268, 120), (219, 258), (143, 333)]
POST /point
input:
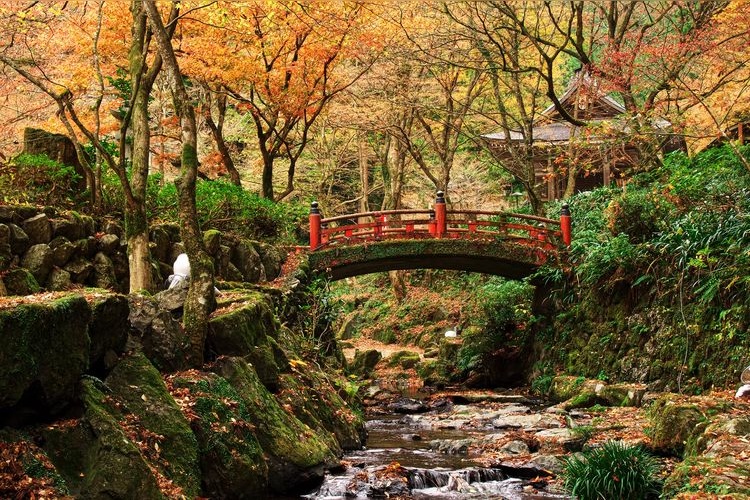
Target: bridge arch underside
[(507, 258)]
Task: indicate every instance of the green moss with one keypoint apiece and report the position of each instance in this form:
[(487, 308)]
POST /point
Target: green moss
[(93, 454), (279, 433), (673, 424), (231, 459), (47, 343), (142, 389)]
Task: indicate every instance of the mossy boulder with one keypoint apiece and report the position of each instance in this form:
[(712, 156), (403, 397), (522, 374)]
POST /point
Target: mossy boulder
[(20, 281), (27, 471), (404, 359), (364, 362), (95, 455), (250, 332), (141, 388), (673, 423), (45, 350), (295, 454), (317, 403), (108, 329), (231, 459)]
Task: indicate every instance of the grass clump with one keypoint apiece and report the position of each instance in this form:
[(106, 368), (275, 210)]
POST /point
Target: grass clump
[(613, 471)]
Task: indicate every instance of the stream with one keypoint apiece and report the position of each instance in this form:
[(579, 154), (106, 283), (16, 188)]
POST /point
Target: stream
[(425, 450)]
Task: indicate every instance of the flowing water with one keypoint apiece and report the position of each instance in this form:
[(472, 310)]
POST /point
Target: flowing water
[(423, 472)]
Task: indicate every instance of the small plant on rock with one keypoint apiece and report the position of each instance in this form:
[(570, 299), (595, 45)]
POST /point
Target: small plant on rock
[(613, 471)]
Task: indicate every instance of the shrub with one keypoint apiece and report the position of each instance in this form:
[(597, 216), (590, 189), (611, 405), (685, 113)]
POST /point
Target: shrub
[(229, 208), (506, 305), (37, 179), (613, 471)]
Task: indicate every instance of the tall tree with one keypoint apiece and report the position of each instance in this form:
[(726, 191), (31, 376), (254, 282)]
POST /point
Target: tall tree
[(288, 60), (70, 73), (200, 300)]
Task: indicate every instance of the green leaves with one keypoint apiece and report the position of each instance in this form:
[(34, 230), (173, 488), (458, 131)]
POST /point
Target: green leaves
[(613, 471)]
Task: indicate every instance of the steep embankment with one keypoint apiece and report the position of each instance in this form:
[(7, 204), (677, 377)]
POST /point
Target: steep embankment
[(86, 412)]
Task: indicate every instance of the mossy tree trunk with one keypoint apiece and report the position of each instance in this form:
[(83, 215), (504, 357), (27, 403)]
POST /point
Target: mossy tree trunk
[(142, 80), (200, 299)]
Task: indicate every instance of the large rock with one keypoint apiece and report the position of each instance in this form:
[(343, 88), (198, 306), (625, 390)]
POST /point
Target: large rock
[(164, 340), (160, 244), (140, 386), (247, 260), (20, 281), (95, 455), (80, 269), (316, 403), (104, 272), (249, 331), (59, 280), (38, 228), (212, 242), (295, 454), (86, 247), (108, 330), (673, 423), (19, 240), (7, 214), (38, 260), (6, 256), (71, 229), (62, 250), (364, 362), (45, 349), (109, 243), (231, 459), (272, 259)]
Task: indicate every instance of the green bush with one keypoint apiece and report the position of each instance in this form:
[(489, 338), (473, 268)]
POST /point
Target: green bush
[(615, 471), (506, 307), (229, 208), (37, 179)]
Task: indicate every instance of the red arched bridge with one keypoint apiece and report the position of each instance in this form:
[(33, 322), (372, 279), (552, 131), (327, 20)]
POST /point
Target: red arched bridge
[(501, 243)]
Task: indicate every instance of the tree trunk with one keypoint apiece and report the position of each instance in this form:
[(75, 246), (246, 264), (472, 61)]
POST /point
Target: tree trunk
[(217, 132), (136, 220), (200, 300)]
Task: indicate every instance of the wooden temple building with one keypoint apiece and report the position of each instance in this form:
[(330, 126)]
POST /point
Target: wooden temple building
[(600, 151)]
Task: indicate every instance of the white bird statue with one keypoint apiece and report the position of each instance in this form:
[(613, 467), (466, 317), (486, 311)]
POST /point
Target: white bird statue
[(744, 391), (452, 333)]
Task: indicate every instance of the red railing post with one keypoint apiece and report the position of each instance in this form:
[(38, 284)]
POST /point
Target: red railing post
[(565, 224), (440, 215), (315, 239), (378, 228)]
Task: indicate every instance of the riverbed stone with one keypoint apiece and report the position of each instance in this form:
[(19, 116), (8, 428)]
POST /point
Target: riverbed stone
[(272, 260), (673, 422), (364, 362), (6, 256), (532, 421), (550, 439), (162, 337), (108, 329)]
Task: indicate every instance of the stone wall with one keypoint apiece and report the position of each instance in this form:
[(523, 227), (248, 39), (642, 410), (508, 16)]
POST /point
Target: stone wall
[(43, 249)]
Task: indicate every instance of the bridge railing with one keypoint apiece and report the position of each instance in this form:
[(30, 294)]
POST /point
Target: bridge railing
[(438, 222)]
